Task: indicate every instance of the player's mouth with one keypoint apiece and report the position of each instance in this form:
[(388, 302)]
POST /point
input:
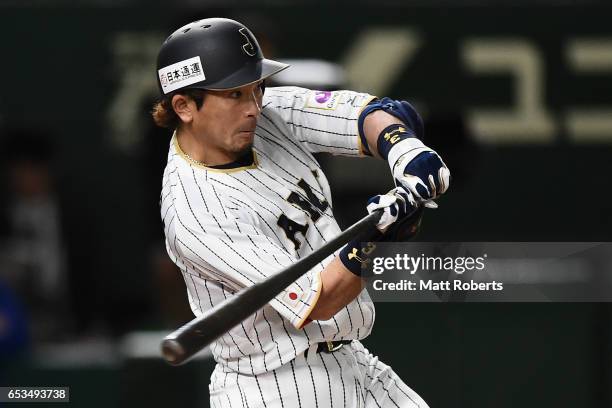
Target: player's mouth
[(247, 132)]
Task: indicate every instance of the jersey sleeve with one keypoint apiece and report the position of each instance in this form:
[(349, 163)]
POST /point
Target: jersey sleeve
[(224, 249), (323, 121)]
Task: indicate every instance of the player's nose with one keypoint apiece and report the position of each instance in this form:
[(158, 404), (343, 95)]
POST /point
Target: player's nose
[(254, 105)]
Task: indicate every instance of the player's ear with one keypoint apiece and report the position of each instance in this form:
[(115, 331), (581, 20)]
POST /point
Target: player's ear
[(184, 107)]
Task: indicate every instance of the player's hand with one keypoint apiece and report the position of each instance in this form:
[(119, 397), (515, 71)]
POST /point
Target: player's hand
[(396, 204), (425, 175), (400, 219)]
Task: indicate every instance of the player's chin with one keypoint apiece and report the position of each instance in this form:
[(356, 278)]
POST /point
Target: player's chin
[(242, 144), (244, 140)]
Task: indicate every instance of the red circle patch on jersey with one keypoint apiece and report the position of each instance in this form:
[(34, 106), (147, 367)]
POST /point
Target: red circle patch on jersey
[(292, 295)]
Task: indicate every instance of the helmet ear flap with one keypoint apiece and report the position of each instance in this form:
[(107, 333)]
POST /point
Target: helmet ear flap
[(262, 86)]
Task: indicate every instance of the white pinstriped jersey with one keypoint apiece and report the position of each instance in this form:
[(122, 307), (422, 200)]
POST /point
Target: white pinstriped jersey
[(226, 229)]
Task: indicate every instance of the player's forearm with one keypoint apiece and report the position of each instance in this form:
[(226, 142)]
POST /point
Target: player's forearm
[(374, 124), (339, 287)]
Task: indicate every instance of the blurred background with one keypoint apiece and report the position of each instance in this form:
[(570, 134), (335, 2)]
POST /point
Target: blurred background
[(516, 95)]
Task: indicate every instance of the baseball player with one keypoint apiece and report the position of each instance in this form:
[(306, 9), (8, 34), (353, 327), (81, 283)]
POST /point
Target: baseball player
[(243, 197)]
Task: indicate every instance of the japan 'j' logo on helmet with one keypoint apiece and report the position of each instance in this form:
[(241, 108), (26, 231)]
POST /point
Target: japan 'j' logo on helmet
[(248, 47)]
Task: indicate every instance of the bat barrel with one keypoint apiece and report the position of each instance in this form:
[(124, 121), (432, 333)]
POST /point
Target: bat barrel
[(173, 352), (181, 345)]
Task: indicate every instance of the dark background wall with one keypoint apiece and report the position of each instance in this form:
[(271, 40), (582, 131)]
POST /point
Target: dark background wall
[(83, 74)]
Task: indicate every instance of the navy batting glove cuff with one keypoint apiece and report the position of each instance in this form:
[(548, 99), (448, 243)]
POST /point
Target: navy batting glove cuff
[(356, 254), (390, 136)]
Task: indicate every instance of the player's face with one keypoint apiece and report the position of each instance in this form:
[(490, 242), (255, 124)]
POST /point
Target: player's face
[(228, 118)]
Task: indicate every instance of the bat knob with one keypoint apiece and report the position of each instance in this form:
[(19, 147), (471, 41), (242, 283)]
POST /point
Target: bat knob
[(173, 352)]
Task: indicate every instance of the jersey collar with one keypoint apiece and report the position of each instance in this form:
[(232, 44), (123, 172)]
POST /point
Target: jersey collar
[(244, 162)]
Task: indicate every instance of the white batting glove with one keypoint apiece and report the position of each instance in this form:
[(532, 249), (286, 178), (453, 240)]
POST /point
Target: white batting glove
[(397, 204), (420, 170)]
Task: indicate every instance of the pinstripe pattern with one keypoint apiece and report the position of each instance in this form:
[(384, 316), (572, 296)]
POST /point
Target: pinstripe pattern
[(222, 230), (349, 377)]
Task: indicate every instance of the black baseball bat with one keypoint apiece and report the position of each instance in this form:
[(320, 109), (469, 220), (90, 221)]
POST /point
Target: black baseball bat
[(182, 344)]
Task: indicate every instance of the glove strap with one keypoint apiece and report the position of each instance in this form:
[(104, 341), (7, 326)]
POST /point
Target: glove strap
[(403, 153)]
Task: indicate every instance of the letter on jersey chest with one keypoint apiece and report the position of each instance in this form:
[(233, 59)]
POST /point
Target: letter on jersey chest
[(307, 201)]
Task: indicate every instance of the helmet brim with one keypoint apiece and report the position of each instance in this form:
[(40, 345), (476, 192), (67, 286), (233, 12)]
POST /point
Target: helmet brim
[(247, 75)]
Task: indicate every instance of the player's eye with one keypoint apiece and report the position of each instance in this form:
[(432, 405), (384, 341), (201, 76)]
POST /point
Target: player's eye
[(235, 94)]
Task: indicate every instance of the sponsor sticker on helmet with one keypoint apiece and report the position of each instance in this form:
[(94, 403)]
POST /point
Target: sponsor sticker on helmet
[(323, 100), (181, 74)]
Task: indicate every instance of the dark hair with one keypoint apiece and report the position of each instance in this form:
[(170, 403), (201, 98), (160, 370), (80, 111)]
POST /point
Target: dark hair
[(164, 115)]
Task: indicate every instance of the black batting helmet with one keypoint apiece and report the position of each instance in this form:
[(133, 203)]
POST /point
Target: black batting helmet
[(215, 54)]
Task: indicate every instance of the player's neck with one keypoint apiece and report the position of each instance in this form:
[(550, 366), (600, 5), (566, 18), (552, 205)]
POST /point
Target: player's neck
[(197, 150)]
